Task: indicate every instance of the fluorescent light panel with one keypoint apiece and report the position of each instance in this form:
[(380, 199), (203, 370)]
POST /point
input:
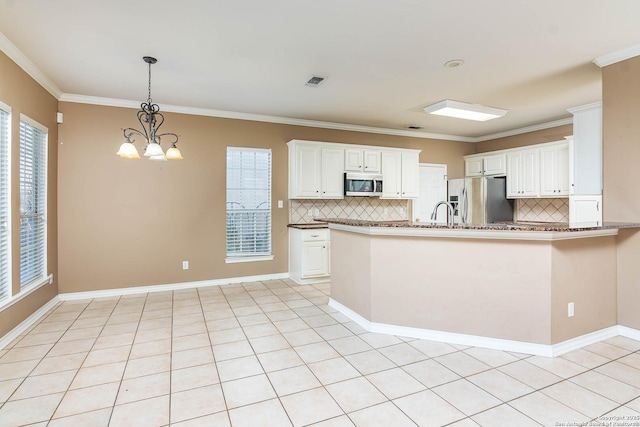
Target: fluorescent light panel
[(462, 110)]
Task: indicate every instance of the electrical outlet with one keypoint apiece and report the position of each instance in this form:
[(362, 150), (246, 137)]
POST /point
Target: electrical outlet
[(185, 265), (570, 310), (316, 212), (280, 204), (310, 213)]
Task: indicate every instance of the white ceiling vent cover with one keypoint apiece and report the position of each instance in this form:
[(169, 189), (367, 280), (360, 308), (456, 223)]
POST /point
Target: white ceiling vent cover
[(315, 81)]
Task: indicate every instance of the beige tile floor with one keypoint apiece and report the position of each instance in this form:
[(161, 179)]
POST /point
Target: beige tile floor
[(274, 354)]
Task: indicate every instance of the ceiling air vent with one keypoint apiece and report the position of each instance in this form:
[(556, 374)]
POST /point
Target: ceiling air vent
[(315, 81)]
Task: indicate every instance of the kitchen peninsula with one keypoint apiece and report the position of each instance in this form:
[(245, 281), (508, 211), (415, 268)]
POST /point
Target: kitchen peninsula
[(506, 286)]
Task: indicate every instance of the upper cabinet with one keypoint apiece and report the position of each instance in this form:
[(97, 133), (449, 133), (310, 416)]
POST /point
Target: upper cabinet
[(316, 169), (359, 160), (523, 175), (400, 171), (554, 170), (315, 172), (485, 165)]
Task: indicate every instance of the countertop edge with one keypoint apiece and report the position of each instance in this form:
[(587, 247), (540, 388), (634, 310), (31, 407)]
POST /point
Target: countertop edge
[(473, 233)]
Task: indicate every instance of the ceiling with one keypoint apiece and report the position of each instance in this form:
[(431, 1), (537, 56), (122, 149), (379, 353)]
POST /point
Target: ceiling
[(383, 59)]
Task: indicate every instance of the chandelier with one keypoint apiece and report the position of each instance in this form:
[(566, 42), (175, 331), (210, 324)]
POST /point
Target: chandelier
[(150, 119)]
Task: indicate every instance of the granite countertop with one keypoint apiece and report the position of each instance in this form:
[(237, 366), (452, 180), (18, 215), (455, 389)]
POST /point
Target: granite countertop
[(309, 226), (517, 226)]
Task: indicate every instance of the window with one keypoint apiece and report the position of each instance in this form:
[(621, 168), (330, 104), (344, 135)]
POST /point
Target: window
[(248, 204), (33, 201), (5, 232)]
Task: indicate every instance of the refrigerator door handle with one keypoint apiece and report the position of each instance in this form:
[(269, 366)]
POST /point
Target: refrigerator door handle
[(464, 204)]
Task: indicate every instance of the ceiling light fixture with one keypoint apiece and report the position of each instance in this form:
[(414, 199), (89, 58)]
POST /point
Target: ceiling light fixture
[(462, 110), (150, 119)]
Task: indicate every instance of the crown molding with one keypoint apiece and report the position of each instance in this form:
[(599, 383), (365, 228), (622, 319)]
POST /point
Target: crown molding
[(618, 56), (82, 99), (29, 67), (526, 129)]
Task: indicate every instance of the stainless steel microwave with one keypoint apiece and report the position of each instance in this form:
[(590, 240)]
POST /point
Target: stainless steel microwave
[(362, 184)]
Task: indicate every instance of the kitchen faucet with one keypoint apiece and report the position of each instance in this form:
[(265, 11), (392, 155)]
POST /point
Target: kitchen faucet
[(434, 214)]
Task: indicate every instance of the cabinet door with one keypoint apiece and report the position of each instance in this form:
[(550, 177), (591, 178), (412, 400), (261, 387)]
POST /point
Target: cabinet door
[(473, 167), (564, 184), (410, 175), (314, 259), (530, 173), (372, 160), (392, 175), (353, 160), (332, 173), (548, 171), (585, 210), (513, 175), (307, 172), (495, 165)]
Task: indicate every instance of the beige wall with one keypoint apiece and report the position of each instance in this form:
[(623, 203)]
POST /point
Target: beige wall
[(25, 96), (537, 137), (132, 223), (621, 191)]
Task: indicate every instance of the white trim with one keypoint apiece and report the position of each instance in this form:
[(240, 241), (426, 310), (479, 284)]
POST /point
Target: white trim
[(233, 260), (618, 56), (168, 287), (29, 67), (526, 129), (438, 231), (27, 323), (5, 107), (585, 107), (25, 291), (625, 331), (28, 120), (312, 280), (487, 342)]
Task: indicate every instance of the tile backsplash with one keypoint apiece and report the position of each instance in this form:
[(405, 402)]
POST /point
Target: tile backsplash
[(365, 208), (547, 210)]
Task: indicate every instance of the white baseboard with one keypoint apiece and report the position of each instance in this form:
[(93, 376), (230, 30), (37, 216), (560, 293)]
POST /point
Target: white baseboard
[(488, 342), (15, 332), (26, 323), (168, 287)]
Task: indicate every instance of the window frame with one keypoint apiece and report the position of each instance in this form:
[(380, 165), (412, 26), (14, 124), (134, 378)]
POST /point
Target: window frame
[(235, 257), (40, 214), (6, 258)]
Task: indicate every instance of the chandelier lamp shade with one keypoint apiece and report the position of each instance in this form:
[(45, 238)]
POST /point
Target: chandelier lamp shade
[(151, 120)]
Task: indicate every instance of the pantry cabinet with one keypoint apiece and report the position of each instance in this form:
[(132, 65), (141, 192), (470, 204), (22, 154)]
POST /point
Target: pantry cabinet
[(309, 255)]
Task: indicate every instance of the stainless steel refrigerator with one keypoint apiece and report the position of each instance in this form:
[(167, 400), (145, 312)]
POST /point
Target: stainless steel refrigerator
[(480, 200)]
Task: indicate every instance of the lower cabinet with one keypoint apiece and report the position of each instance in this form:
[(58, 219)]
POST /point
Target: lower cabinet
[(309, 255), (585, 210)]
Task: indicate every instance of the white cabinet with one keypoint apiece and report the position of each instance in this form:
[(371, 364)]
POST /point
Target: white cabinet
[(585, 210), (523, 174), (400, 172), (554, 170), (309, 255), (485, 165), (359, 160), (410, 175), (586, 156), (315, 172)]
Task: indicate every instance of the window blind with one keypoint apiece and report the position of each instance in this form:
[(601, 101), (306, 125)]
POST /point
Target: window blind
[(248, 202), (5, 240), (33, 202)]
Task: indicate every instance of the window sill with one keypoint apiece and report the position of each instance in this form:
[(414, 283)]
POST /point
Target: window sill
[(30, 288), (233, 260)]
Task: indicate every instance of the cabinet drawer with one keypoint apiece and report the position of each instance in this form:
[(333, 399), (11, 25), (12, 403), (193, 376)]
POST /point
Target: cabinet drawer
[(315, 235)]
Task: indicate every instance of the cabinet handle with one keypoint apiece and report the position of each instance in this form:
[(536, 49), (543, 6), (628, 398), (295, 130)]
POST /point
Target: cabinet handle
[(324, 247), (315, 235)]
